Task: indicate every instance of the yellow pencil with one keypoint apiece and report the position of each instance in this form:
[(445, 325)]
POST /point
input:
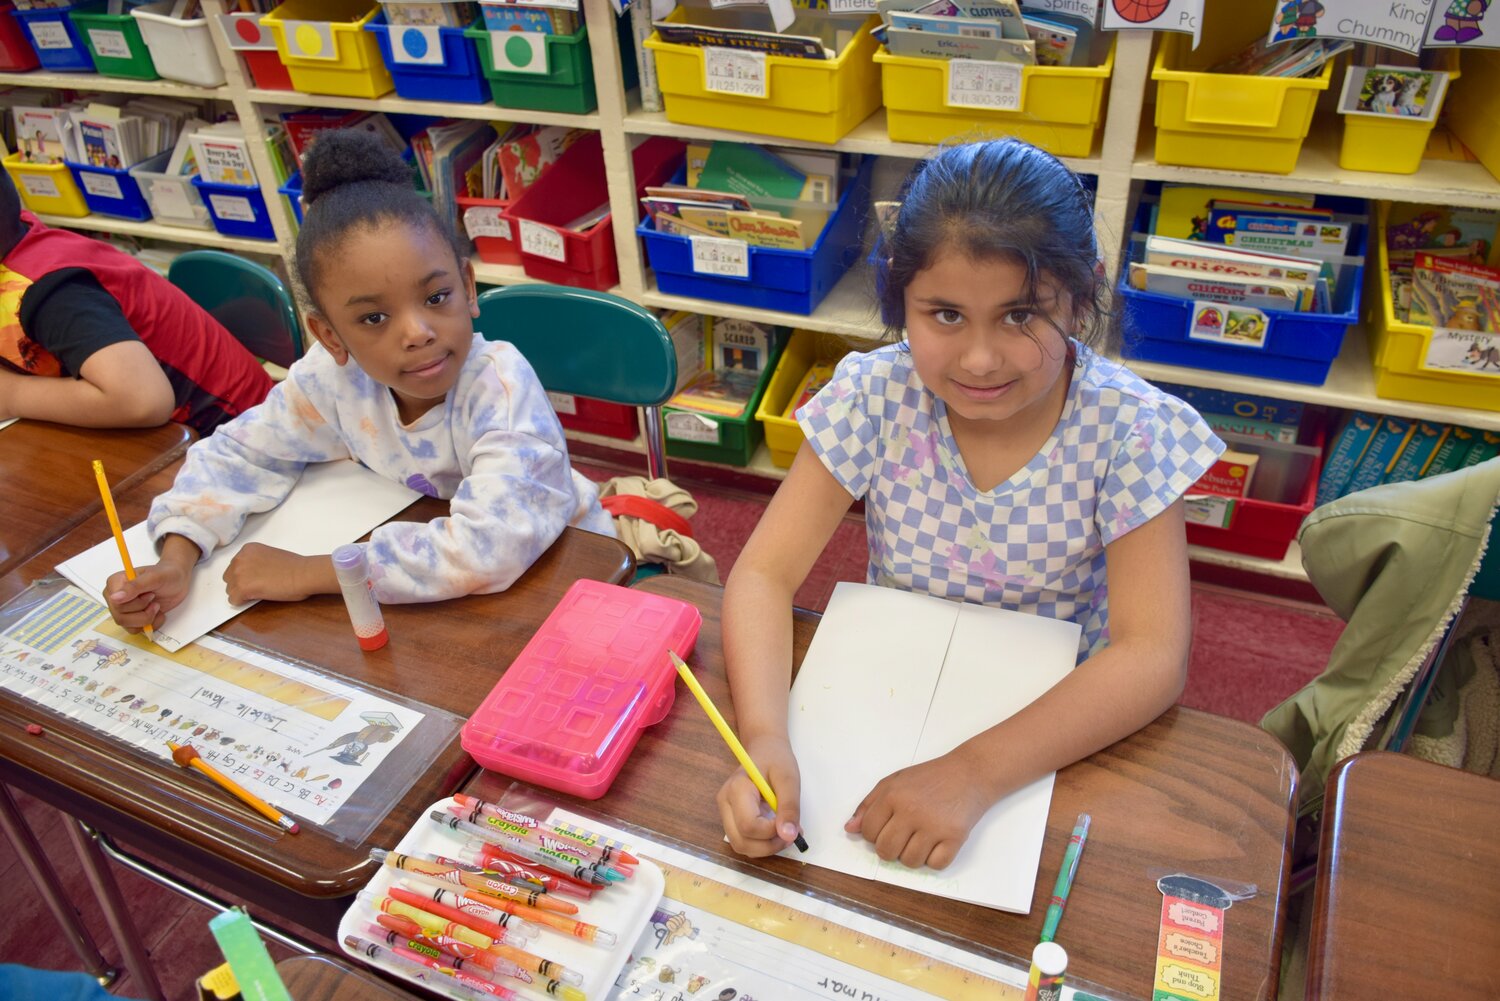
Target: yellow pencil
[(186, 755), (729, 738), (114, 526)]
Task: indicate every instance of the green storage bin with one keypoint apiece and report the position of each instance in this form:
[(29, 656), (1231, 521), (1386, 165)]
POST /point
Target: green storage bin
[(114, 40), (567, 85), (730, 440)]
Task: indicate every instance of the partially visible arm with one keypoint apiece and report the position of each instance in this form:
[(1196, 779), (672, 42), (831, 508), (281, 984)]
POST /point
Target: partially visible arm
[(923, 814), (120, 383), (757, 636)]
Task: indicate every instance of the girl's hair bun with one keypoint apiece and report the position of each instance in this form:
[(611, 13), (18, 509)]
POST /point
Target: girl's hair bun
[(348, 156)]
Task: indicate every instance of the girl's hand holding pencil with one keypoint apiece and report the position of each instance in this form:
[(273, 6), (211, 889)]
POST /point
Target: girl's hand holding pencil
[(145, 599), (752, 831)]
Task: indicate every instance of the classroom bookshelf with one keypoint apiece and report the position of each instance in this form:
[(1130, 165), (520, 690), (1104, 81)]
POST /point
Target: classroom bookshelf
[(1121, 160)]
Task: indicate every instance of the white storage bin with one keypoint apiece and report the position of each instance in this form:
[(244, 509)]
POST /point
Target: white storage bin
[(173, 199), (181, 49)]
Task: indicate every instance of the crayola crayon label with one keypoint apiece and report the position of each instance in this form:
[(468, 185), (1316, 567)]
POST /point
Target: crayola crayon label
[(1190, 941)]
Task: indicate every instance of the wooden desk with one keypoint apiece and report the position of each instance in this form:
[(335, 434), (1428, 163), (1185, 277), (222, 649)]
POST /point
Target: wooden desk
[(323, 978), (1191, 792), (447, 655), (49, 480), (1407, 903)]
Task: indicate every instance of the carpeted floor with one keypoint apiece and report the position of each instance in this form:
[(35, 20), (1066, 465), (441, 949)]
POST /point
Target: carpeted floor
[(1249, 652)]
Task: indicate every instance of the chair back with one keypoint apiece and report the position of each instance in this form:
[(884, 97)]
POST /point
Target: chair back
[(252, 303), (587, 343)]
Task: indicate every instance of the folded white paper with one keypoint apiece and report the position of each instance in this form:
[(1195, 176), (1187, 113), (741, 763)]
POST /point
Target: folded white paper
[(333, 503)]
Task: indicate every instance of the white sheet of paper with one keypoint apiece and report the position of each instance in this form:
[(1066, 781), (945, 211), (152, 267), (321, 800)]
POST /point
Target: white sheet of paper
[(894, 678), (8, 422), (333, 503)]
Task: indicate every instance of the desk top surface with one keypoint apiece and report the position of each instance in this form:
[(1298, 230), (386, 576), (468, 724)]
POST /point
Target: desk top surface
[(323, 978), (1189, 793), (447, 654), (49, 478), (1407, 902)]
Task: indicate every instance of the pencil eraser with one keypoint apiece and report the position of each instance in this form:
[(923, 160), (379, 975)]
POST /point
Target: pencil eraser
[(294, 828), (35, 729)]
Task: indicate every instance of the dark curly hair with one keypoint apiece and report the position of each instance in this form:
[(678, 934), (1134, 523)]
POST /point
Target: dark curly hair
[(997, 199), (352, 180)]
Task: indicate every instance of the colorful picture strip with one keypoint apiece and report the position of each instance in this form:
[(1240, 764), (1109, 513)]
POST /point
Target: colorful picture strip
[(1190, 944)]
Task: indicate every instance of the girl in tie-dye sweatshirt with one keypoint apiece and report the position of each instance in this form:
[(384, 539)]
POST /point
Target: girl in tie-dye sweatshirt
[(399, 381)]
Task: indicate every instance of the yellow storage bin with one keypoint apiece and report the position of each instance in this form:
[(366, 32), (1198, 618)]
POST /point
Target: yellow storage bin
[(1391, 144), (326, 49), (806, 348), (815, 100), (1401, 351), (1472, 109), (1061, 106), (46, 187), (1229, 121)]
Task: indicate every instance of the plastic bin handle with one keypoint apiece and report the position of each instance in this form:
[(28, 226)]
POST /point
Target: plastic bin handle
[(1230, 99)]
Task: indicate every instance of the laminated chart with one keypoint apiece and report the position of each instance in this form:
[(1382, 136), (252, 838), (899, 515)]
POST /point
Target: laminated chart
[(302, 741)]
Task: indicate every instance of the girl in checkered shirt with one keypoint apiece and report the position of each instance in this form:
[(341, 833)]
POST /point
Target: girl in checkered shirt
[(1001, 461)]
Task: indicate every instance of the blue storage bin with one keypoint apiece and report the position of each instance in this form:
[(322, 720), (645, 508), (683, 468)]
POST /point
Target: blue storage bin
[(431, 63), (236, 209), (116, 192), (56, 40), (1298, 347), (791, 281), (292, 189)]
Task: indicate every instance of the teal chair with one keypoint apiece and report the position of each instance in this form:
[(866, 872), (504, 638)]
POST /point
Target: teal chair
[(250, 301), (592, 344)]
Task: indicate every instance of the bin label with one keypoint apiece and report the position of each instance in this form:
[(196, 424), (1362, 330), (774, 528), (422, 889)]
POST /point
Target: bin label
[(1463, 349), (733, 71), (1213, 510), (685, 426), (713, 255), (1236, 326), (851, 6), (417, 45), (40, 186), (169, 199), (109, 44), (519, 52), (243, 31), (543, 241), (50, 35), (484, 220), (232, 207), (100, 185), (979, 83), (563, 403)]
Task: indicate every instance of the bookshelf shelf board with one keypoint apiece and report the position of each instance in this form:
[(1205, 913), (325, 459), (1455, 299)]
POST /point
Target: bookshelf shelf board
[(1289, 568), (760, 463), (97, 82), (391, 104), (849, 309), (156, 231), (868, 136), (1350, 386), (511, 274), (1440, 182)]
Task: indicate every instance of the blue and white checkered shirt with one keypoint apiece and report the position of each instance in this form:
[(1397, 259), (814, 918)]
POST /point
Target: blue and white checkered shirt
[(1121, 454)]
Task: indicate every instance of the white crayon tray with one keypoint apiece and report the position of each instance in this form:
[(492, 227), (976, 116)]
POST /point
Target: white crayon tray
[(624, 908)]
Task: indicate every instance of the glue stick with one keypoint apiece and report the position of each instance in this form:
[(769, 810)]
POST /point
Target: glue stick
[(1049, 961), (353, 571)]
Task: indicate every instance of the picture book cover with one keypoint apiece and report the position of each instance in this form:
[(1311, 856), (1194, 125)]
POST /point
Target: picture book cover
[(1418, 453), (1348, 449), (1391, 436), (723, 392), (1183, 209), (751, 171), (1241, 405), (1236, 290), (1451, 451)]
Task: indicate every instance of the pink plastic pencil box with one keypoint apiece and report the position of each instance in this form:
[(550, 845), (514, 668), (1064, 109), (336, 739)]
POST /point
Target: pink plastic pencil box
[(570, 708)]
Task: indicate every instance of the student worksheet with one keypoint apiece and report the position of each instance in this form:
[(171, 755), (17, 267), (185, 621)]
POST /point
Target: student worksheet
[(333, 503), (894, 678)]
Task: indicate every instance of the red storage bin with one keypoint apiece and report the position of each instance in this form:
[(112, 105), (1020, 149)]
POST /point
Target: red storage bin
[(16, 53), (493, 235), (257, 46), (1263, 528), (579, 413), (574, 186)]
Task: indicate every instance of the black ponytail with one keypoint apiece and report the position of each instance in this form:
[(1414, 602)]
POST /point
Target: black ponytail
[(351, 180)]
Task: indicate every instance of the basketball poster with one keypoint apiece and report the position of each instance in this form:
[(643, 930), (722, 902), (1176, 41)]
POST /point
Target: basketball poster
[(1155, 15)]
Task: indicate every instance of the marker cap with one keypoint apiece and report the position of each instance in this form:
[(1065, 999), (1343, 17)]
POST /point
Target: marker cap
[(1050, 959)]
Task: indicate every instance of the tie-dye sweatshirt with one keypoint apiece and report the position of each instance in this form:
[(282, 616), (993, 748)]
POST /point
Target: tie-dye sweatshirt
[(493, 447)]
